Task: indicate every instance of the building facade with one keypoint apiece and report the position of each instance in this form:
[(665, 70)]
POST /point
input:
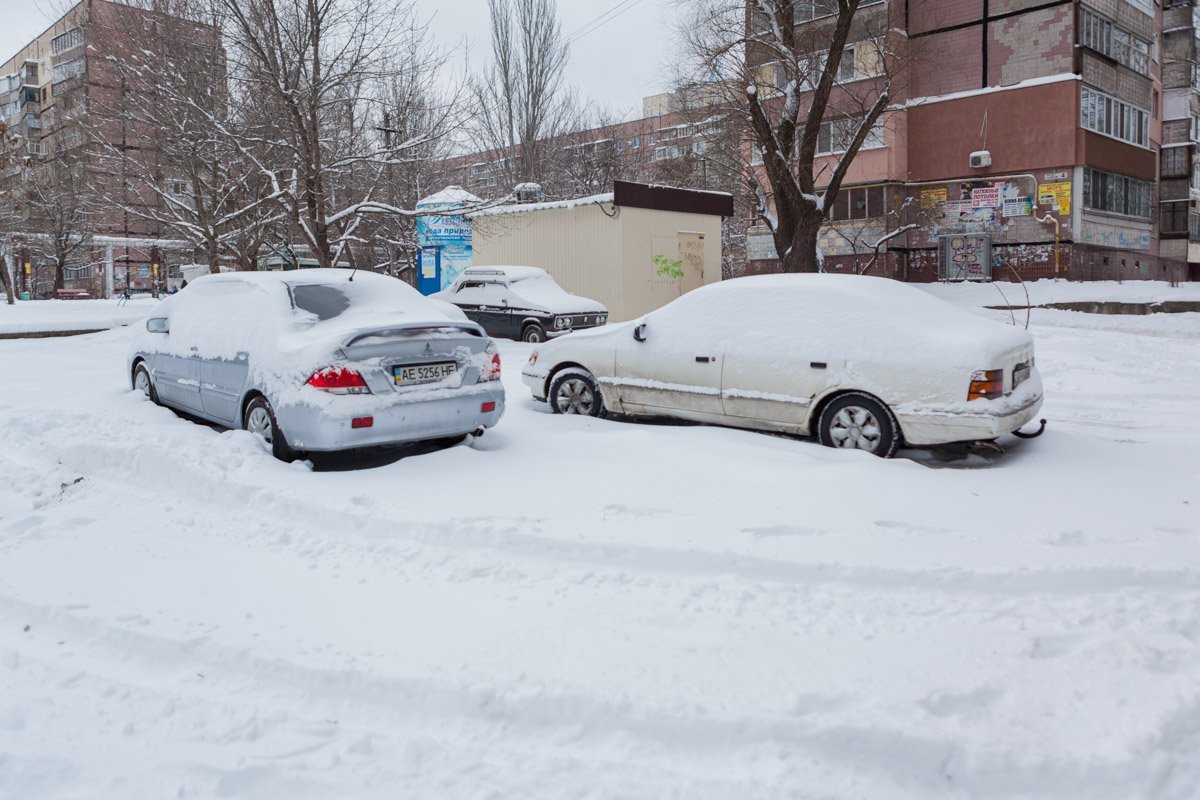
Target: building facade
[(63, 99), (1023, 138)]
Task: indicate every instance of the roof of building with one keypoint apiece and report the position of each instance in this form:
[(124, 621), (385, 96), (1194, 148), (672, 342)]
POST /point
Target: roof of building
[(633, 195)]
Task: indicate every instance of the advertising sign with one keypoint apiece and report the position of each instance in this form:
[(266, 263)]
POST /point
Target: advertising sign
[(987, 197), (1018, 206), (933, 198), (449, 233), (1057, 195)]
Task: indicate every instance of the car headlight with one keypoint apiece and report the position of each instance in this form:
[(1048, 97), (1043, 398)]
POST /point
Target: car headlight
[(562, 322)]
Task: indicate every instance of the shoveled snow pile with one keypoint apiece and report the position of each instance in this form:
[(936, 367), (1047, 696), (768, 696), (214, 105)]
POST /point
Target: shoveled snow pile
[(1041, 292), (580, 608), (39, 316)]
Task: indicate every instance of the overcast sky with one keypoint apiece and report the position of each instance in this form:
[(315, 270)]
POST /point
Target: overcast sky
[(621, 50)]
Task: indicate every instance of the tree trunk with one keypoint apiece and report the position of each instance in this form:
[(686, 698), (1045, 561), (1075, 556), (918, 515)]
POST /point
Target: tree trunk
[(212, 253), (7, 281), (60, 275), (800, 253)]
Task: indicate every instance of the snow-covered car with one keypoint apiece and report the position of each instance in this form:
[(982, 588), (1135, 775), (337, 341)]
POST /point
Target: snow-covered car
[(859, 362), (521, 303), (318, 360)]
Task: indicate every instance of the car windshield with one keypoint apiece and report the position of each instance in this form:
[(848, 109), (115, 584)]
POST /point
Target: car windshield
[(325, 301), (543, 291)]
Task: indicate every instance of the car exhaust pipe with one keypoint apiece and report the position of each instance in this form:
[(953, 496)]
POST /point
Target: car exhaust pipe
[(478, 431)]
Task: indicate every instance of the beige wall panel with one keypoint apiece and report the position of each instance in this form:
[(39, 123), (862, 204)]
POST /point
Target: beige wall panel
[(594, 255)]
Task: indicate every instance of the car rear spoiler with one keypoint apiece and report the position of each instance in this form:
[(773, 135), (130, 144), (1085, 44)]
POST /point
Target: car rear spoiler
[(412, 329)]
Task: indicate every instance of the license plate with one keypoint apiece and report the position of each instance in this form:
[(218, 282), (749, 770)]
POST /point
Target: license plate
[(414, 374), (1020, 373)]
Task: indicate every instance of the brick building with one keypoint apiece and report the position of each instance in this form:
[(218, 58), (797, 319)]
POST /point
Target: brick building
[(62, 100), (1023, 136), (667, 144)]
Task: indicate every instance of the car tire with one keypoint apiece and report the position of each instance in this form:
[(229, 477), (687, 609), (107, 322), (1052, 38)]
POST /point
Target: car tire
[(857, 421), (533, 334), (144, 383), (259, 419), (576, 392)]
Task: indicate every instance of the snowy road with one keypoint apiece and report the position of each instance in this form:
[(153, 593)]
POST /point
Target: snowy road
[(575, 608)]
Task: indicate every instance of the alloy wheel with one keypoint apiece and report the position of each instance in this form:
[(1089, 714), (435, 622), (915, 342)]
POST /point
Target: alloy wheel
[(854, 427), (575, 396)]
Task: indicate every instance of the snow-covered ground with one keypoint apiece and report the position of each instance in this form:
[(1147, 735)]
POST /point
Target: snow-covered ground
[(70, 315), (574, 608)]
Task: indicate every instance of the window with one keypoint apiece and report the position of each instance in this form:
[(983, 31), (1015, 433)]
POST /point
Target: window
[(326, 302), (835, 135), (1103, 36), (66, 41), (68, 69), (805, 12), (1194, 134), (1173, 217), (848, 66), (1175, 162), (1112, 117), (1115, 194), (858, 202)]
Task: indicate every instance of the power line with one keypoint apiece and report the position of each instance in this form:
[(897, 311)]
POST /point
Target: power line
[(602, 20)]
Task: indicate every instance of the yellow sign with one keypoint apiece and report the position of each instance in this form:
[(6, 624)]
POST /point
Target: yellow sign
[(154, 270), (933, 198), (1057, 195), (28, 269)]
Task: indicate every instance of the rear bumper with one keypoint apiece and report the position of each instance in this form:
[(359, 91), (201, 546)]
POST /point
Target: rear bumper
[(325, 429), (536, 381), (971, 422)]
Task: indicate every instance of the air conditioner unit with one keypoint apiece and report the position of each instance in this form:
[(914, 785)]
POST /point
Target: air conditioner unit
[(981, 159)]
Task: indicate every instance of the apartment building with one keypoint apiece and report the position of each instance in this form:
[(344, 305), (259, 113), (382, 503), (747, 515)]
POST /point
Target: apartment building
[(1022, 138), (669, 143), (62, 101)]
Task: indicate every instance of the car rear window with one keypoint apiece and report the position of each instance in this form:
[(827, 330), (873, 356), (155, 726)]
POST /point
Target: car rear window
[(324, 301)]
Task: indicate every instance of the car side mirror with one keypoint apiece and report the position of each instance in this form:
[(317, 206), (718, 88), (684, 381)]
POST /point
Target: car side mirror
[(639, 332), (158, 325)]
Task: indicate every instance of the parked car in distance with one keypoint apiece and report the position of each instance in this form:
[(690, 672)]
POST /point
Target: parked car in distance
[(859, 362), (318, 360), (522, 303)]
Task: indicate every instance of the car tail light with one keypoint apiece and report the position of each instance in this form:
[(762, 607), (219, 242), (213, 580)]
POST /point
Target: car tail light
[(491, 369), (362, 422), (533, 358), (488, 407), (986, 384), (338, 380)]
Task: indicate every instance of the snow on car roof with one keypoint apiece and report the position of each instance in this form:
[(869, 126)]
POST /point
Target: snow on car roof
[(889, 314), (512, 273)]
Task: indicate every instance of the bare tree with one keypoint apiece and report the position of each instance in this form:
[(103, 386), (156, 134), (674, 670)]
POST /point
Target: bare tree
[(813, 82), (54, 198), (317, 67), (187, 177), (520, 101)]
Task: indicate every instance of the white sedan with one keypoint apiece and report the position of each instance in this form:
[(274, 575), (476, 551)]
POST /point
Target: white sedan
[(859, 362)]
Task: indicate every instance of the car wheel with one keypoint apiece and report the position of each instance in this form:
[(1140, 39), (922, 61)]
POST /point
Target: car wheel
[(259, 419), (533, 333), (859, 422), (576, 393), (143, 383)]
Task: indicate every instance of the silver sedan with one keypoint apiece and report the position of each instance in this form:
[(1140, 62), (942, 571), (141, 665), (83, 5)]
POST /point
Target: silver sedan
[(318, 360)]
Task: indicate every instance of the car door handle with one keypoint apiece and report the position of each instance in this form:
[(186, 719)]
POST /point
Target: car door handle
[(194, 349), (705, 359), (817, 364)]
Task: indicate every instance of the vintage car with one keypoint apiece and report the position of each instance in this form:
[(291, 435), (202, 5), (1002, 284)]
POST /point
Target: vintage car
[(521, 303), (859, 362)]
